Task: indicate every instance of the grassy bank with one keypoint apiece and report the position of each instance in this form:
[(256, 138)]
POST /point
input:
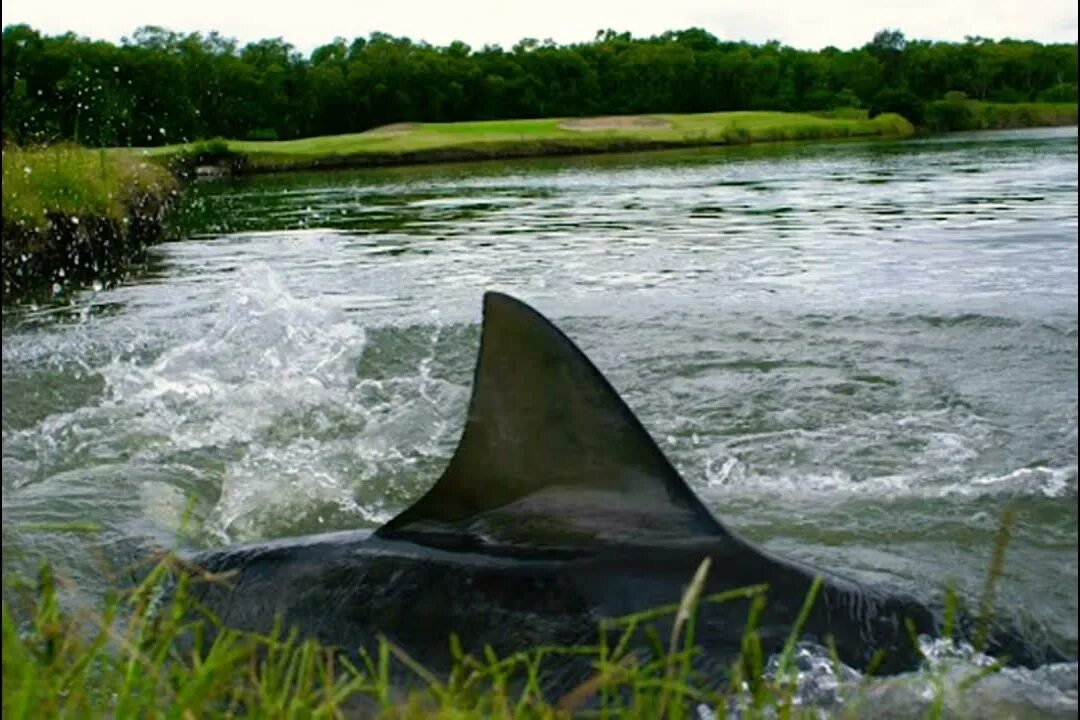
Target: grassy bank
[(414, 143), (958, 113), (73, 215)]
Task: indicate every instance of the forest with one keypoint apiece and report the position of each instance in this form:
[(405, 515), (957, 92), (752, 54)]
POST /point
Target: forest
[(158, 86)]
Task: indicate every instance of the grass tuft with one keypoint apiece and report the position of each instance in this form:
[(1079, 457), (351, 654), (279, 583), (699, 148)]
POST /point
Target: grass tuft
[(997, 568)]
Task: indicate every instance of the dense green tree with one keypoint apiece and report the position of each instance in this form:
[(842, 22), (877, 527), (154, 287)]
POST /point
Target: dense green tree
[(898, 100), (160, 86)]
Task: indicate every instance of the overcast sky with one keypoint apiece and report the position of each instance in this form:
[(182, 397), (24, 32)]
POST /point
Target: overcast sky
[(801, 23)]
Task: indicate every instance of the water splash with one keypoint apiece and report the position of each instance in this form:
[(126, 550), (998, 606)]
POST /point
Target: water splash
[(960, 681)]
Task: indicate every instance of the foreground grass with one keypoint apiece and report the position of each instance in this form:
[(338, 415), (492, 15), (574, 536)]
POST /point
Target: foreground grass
[(74, 181), (424, 142), (147, 654)]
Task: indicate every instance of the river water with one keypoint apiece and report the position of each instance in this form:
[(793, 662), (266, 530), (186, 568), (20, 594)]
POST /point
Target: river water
[(858, 354)]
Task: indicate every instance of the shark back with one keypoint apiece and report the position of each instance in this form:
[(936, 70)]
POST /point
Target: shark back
[(557, 508), (550, 454)]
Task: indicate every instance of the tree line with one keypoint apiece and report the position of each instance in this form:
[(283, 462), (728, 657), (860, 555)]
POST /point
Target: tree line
[(160, 86)]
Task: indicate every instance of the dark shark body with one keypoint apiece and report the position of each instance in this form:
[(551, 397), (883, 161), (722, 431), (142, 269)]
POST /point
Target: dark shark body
[(557, 510)]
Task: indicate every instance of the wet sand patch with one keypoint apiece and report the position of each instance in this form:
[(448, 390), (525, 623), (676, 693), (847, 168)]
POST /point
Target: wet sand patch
[(615, 122)]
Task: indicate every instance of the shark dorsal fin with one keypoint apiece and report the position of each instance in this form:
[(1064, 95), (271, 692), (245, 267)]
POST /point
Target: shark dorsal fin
[(550, 454)]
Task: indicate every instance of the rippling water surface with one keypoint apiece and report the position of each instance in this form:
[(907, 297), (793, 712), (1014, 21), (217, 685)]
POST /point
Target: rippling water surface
[(858, 354)]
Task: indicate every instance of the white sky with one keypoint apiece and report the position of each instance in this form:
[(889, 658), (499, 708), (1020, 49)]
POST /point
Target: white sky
[(801, 23)]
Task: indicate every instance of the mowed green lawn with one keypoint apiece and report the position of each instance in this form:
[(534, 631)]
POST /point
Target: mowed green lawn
[(421, 142)]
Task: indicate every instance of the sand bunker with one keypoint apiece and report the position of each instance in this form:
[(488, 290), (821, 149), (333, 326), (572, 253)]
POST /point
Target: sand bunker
[(616, 122), (392, 128)]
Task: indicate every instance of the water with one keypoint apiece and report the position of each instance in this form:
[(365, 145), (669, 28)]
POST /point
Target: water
[(857, 354)]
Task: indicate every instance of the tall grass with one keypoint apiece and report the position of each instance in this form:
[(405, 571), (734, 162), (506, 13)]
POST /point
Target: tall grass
[(76, 182), (153, 652)]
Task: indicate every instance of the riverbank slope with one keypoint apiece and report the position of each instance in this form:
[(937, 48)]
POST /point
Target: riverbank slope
[(73, 216)]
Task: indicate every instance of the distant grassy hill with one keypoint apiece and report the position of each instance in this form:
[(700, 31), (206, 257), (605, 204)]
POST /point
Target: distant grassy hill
[(407, 143)]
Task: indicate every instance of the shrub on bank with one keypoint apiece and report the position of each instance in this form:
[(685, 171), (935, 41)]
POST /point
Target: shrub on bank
[(956, 112), (900, 101)]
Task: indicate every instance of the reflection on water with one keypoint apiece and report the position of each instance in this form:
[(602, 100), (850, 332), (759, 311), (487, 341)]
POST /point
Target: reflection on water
[(857, 353)]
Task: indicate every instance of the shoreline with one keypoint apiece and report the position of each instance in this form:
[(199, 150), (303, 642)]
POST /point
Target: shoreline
[(236, 166), (431, 144), (416, 144)]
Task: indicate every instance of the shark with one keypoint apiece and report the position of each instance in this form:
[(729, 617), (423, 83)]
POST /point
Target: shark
[(556, 511)]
